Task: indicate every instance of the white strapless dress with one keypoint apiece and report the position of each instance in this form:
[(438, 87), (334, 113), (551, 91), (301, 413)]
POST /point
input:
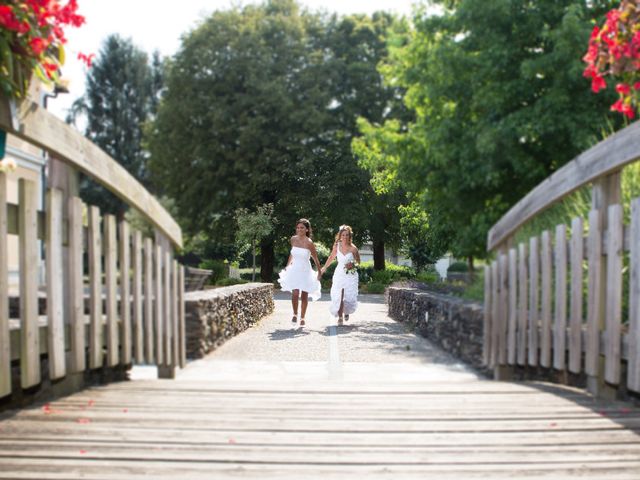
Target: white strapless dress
[(344, 281), (299, 275)]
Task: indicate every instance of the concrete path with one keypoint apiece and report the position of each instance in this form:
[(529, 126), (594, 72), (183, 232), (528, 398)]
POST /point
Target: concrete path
[(366, 399)]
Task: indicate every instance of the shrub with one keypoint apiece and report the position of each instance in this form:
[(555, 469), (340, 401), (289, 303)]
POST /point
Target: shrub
[(458, 267), (219, 269), (375, 287), (225, 282), (428, 277)]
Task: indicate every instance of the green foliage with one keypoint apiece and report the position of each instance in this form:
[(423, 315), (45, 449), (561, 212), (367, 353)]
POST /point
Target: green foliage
[(219, 269), (458, 267), (121, 94), (375, 287), (475, 290), (428, 277), (500, 103), (225, 282)]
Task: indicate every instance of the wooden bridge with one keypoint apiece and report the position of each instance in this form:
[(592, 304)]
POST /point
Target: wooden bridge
[(367, 399)]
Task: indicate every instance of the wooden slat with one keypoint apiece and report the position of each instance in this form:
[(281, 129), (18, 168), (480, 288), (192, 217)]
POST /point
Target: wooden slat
[(560, 310), (181, 319), (513, 311), (54, 272), (95, 288), (633, 375), (486, 339), (30, 340), (503, 315), (594, 252), (125, 292), (575, 316), (546, 261), (168, 311), (138, 330), (610, 155), (149, 330), (159, 301), (111, 279), (614, 295), (534, 312), (76, 286), (523, 304), (5, 338), (495, 302), (67, 144), (175, 298)]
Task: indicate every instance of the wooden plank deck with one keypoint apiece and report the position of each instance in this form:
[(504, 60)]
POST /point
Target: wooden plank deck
[(367, 398)]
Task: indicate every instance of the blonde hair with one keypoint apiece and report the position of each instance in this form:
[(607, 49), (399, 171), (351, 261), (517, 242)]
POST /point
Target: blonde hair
[(342, 229)]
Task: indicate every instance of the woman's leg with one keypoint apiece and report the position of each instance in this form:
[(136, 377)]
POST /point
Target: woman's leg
[(341, 309), (305, 301), (294, 303)]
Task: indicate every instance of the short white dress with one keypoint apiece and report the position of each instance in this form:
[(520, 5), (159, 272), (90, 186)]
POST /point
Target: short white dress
[(299, 275), (348, 282)]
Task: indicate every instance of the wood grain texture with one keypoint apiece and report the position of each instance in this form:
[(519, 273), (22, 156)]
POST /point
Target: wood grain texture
[(76, 286), (594, 253), (560, 310), (614, 296), (575, 315), (633, 376), (546, 281), (534, 296), (5, 338)]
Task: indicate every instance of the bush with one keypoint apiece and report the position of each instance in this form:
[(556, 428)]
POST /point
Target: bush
[(219, 269), (458, 267), (375, 287), (428, 277), (225, 282)]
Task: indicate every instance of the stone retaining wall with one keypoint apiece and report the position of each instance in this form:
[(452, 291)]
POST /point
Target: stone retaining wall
[(213, 316), (454, 324)]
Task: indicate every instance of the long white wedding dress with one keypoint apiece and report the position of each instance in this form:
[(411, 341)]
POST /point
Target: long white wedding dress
[(344, 281), (299, 275)]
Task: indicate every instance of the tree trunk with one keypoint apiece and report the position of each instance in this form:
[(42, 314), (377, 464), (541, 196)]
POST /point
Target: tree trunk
[(378, 254), (253, 249), (266, 260), (470, 264)]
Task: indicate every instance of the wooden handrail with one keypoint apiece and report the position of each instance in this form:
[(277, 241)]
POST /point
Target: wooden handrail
[(41, 128), (610, 155)]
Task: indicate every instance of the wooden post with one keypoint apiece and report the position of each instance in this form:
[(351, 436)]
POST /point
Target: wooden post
[(606, 191), (5, 338)]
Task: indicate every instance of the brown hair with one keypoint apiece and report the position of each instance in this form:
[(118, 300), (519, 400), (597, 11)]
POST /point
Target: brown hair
[(342, 229), (307, 225)]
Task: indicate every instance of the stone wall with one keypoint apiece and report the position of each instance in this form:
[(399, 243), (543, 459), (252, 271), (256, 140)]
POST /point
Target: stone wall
[(454, 324), (213, 316)]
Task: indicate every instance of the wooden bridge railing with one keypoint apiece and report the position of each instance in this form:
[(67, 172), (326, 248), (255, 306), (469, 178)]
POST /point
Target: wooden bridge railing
[(129, 309), (537, 312)]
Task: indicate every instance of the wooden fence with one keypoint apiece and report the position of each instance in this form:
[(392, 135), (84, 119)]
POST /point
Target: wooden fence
[(556, 301), (112, 296)]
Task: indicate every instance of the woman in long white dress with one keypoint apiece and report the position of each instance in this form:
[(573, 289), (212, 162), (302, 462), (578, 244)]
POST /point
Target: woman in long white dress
[(298, 277), (344, 286)]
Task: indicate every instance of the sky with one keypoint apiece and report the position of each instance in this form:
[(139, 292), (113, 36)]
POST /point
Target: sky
[(159, 24)]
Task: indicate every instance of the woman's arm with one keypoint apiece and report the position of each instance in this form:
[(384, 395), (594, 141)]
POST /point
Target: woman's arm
[(356, 254), (331, 258)]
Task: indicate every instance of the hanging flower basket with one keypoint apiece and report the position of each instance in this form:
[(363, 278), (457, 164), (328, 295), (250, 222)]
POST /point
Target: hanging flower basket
[(31, 41)]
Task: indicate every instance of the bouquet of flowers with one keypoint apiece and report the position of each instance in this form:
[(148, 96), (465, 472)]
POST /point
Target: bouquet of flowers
[(614, 50), (351, 268)]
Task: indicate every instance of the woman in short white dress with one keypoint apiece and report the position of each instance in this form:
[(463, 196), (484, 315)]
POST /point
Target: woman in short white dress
[(298, 277), (344, 286)]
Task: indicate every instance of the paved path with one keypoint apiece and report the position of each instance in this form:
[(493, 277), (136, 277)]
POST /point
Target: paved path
[(366, 399)]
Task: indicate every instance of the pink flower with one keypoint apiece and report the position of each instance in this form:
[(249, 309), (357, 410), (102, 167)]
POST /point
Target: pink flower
[(623, 88)]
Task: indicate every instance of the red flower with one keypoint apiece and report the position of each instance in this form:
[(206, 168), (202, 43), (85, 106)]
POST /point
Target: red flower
[(38, 45), (623, 88), (598, 83)]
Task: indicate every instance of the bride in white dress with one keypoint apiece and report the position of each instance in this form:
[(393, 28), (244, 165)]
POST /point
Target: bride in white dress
[(298, 277), (344, 286)]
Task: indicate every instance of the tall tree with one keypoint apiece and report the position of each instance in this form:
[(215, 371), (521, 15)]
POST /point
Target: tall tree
[(500, 103), (121, 95)]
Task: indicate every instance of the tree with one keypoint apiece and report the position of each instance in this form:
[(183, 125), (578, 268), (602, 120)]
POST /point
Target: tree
[(500, 103), (253, 227), (121, 95)]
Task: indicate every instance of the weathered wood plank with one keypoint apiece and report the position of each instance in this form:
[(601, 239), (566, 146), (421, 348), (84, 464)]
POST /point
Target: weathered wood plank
[(534, 310), (503, 309), (54, 277), (523, 304), (138, 329), (30, 340), (5, 338), (594, 253), (513, 311), (159, 301), (76, 286), (175, 299), (168, 311), (65, 143), (614, 295), (575, 322), (495, 304), (111, 280), (545, 307), (560, 310), (487, 320), (149, 330), (181, 319), (95, 288), (610, 155), (125, 292), (633, 375)]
